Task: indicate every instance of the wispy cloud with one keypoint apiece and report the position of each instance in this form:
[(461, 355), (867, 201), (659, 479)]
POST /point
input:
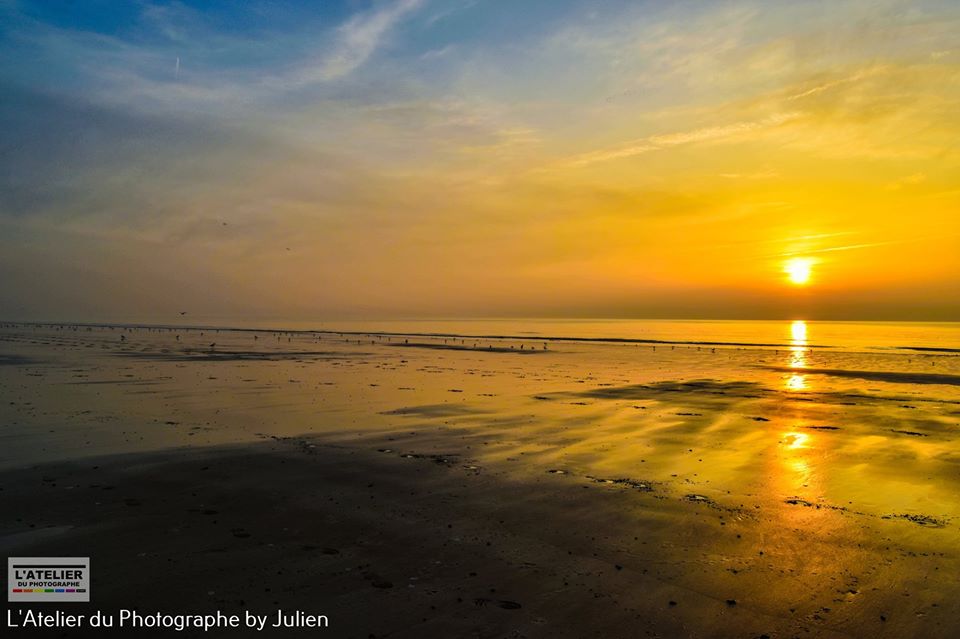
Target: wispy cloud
[(756, 175), (705, 134), (826, 86), (449, 9), (907, 180), (355, 42), (848, 247)]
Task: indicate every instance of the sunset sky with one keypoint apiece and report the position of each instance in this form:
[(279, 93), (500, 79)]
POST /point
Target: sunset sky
[(425, 158)]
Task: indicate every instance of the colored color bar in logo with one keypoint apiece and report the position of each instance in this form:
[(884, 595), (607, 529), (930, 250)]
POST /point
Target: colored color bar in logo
[(21, 570)]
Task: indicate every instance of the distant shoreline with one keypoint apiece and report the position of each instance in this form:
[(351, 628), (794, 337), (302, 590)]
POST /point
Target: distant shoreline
[(526, 338), (522, 338)]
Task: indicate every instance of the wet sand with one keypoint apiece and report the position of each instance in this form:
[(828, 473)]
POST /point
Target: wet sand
[(593, 490)]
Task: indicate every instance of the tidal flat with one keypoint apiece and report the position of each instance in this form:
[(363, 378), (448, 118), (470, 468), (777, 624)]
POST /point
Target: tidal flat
[(416, 485)]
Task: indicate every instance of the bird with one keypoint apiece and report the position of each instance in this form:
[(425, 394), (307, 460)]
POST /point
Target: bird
[(183, 312)]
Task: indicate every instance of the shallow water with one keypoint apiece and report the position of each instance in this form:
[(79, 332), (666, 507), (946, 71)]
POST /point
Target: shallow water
[(815, 481), (835, 416), (838, 335)]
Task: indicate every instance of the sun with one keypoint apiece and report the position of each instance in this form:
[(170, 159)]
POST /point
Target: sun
[(798, 270)]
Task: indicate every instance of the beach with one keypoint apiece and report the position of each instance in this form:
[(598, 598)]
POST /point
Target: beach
[(434, 483), (390, 319)]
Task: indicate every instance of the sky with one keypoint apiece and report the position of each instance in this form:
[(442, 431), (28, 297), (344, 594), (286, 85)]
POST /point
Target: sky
[(329, 160)]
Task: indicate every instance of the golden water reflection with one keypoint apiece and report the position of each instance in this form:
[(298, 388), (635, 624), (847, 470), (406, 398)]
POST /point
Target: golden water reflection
[(796, 440), (797, 476), (797, 356), (798, 332), (796, 383)]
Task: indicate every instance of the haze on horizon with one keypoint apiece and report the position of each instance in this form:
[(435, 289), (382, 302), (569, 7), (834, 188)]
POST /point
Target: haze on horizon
[(405, 158)]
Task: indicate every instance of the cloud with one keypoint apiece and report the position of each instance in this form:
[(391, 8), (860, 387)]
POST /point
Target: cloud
[(355, 42), (433, 54), (852, 79), (376, 144), (449, 10), (705, 134), (756, 175), (908, 180), (223, 71), (848, 247)]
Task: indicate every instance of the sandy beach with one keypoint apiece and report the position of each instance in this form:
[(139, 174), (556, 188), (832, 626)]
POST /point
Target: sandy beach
[(440, 486)]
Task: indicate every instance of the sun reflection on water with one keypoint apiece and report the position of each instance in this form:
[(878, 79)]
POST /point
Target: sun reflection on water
[(797, 356), (796, 440), (796, 383), (798, 332), (797, 475)]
